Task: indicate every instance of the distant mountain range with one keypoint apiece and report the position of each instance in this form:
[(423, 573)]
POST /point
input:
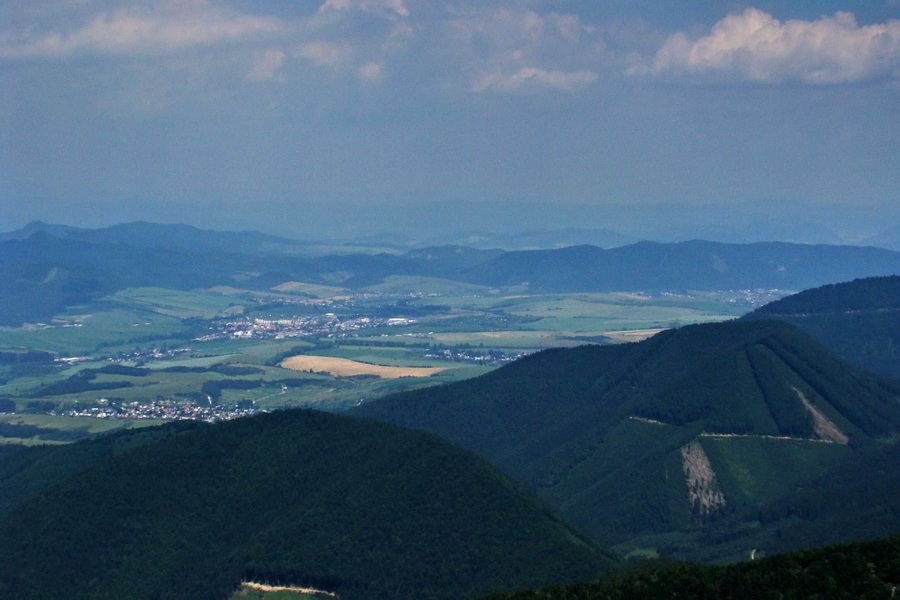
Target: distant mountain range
[(167, 237), (541, 239), (56, 267), (352, 507), (657, 442), (695, 265)]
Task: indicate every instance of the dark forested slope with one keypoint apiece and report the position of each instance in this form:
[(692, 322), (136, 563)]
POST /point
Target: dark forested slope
[(666, 435), (868, 571), (858, 320), (360, 508)]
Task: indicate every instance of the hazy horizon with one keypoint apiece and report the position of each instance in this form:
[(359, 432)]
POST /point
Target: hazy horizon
[(478, 224), (346, 118)]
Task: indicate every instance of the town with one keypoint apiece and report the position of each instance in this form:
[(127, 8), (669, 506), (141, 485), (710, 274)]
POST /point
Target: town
[(181, 409), (328, 325)]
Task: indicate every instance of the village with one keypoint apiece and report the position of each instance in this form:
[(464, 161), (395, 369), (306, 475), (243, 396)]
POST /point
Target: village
[(328, 325), (169, 409)]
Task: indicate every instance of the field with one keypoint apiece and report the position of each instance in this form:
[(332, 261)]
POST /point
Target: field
[(180, 304), (213, 353), (46, 429), (343, 367)]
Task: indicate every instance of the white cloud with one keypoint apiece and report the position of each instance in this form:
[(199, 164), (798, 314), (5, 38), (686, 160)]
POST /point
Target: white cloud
[(502, 46), (755, 46), (266, 64), (163, 27), (534, 78), (326, 54), (506, 26), (394, 6), (371, 72), (509, 50)]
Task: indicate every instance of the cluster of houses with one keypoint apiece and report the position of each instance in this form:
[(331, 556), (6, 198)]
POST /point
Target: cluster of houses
[(160, 409), (327, 325), (482, 357)]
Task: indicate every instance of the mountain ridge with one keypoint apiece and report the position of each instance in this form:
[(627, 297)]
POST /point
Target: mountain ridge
[(617, 437), (42, 275), (859, 320)]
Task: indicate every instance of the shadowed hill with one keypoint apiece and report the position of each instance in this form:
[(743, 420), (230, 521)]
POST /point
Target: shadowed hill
[(868, 570), (666, 435), (858, 320), (359, 508), (695, 265)]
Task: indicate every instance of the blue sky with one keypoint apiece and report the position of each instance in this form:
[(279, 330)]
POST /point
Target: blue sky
[(297, 115)]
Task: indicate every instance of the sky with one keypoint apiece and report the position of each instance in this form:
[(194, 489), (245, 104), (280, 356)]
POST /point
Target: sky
[(356, 116)]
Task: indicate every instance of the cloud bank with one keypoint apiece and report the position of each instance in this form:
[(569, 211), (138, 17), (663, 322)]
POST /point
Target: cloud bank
[(486, 47), (130, 29), (498, 47), (755, 46)]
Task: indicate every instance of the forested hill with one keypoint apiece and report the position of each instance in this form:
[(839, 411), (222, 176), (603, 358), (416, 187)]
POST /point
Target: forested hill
[(351, 506), (618, 436), (860, 295), (697, 265), (868, 570), (858, 320)]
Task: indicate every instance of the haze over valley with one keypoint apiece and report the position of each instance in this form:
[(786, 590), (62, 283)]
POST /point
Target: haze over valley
[(366, 299)]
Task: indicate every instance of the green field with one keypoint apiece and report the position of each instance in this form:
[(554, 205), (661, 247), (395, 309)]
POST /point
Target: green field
[(94, 331), (398, 284), (180, 304), (78, 427)]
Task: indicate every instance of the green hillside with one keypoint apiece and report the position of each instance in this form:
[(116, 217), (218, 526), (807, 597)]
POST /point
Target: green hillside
[(858, 320), (362, 509), (666, 436), (856, 571), (857, 500)]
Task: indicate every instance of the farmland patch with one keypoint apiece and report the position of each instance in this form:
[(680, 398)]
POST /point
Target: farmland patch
[(343, 367)]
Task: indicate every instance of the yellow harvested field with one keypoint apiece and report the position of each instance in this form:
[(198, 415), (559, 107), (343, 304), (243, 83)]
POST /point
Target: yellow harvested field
[(343, 367)]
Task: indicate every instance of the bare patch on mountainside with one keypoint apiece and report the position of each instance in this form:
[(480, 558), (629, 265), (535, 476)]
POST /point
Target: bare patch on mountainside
[(704, 492), (822, 425), (263, 587), (646, 420)]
